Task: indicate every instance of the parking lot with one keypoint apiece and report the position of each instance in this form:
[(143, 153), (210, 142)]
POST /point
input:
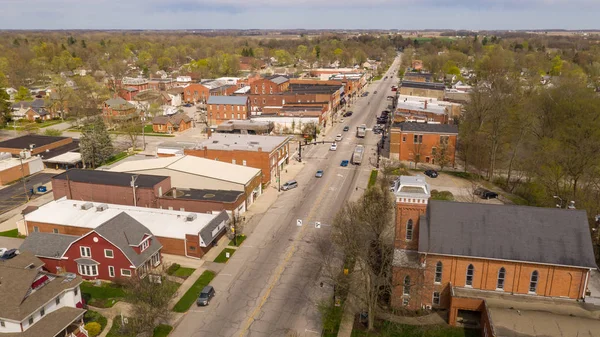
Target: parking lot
[(462, 189), (14, 195)]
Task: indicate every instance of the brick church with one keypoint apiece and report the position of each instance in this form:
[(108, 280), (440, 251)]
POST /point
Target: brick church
[(454, 255)]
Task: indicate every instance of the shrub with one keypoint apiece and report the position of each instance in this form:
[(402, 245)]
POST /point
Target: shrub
[(173, 268), (442, 195), (93, 329)]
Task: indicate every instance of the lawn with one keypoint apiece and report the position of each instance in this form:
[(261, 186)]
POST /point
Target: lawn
[(222, 258), (162, 330), (103, 296), (13, 233), (389, 329), (373, 178), (377, 78), (191, 295), (180, 271), (116, 158), (240, 240)]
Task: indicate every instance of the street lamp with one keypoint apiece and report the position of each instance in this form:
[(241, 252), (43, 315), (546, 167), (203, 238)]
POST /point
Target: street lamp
[(560, 199)]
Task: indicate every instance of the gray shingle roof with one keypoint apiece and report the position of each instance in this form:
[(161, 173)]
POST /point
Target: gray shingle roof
[(174, 119), (507, 232), (279, 79), (423, 85), (109, 178), (426, 127), (206, 232), (123, 231), (47, 244), (233, 100)]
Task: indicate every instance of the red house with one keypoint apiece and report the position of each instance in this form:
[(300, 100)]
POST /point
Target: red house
[(120, 247)]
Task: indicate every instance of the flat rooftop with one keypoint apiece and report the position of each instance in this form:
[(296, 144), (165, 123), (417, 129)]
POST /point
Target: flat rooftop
[(161, 222), (423, 85), (204, 194), (109, 178), (522, 315), (24, 142), (314, 88), (71, 147), (230, 142)]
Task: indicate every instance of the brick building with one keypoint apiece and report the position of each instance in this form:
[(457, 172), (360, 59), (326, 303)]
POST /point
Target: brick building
[(412, 111), (120, 247), (118, 109), (267, 153), (270, 85), (203, 200), (178, 122), (423, 142), (12, 169), (443, 249), (161, 84), (415, 76), (179, 232), (424, 89), (195, 93), (223, 108), (35, 144)]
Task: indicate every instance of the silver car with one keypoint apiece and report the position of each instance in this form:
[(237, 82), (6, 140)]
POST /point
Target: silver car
[(289, 185)]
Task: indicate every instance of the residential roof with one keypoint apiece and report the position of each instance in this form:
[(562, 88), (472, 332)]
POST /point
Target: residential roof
[(23, 142), (119, 104), (204, 194), (65, 158), (193, 165), (51, 324), (231, 142), (423, 85), (427, 127), (232, 100), (242, 90), (110, 178), (174, 119), (18, 299), (160, 222), (124, 232), (36, 103), (176, 90), (23, 260), (47, 244), (507, 232)]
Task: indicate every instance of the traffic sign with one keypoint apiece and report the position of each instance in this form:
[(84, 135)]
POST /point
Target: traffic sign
[(299, 222), (317, 224)]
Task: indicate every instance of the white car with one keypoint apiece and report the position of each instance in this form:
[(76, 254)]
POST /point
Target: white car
[(338, 137), (333, 147)]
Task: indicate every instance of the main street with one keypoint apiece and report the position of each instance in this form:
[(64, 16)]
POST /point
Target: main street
[(271, 285)]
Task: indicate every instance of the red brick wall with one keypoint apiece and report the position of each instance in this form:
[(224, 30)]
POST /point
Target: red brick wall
[(14, 173), (404, 213), (265, 86), (195, 93), (403, 147), (199, 206), (219, 113)]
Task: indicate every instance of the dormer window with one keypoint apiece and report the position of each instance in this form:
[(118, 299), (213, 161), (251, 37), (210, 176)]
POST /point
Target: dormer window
[(145, 245)]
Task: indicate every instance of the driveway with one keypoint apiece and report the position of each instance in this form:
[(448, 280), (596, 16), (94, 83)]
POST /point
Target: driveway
[(461, 188), (13, 195), (10, 243)]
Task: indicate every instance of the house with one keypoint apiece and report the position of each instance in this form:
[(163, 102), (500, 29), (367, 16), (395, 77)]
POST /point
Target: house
[(176, 95), (248, 63), (468, 257), (195, 93), (178, 232), (32, 110), (224, 108), (417, 64), (118, 109), (425, 89), (270, 85), (423, 142), (178, 122), (200, 173), (268, 153), (38, 303), (120, 247), (11, 93)]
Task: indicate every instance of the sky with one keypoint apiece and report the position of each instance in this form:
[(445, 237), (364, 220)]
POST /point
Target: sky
[(294, 14)]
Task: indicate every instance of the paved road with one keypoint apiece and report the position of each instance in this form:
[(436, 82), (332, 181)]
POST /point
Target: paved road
[(14, 195), (271, 286)]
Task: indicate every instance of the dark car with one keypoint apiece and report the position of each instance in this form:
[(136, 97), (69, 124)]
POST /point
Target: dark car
[(187, 105), (431, 173), (348, 114), (344, 163), (205, 296), (485, 194), (381, 121), (346, 128)]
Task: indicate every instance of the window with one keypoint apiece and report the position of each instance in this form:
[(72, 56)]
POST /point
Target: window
[(403, 138), (436, 298), (225, 115), (470, 272), (85, 251), (264, 101), (2, 324), (126, 272), (418, 139), (76, 291), (255, 101), (238, 116), (433, 150), (438, 272), (533, 282), (57, 301), (109, 253), (87, 270), (55, 231), (111, 271), (192, 248), (145, 245), (36, 229), (244, 162), (409, 230), (444, 140), (406, 285), (405, 301), (233, 161), (501, 275), (42, 312), (31, 320)]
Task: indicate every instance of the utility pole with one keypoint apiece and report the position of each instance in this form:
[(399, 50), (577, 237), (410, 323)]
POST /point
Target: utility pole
[(278, 178), (300, 151), (133, 179), (23, 174), (143, 132), (234, 229)]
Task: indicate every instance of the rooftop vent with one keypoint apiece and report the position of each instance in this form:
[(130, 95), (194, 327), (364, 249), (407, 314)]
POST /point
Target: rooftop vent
[(87, 206), (101, 207), (191, 217)]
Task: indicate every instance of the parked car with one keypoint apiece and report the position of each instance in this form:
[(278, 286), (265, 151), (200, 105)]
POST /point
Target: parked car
[(9, 254), (346, 128), (188, 105), (431, 173), (485, 193), (338, 137), (319, 174), (205, 296), (385, 78), (348, 114), (289, 185), (333, 147), (344, 163), (375, 92), (365, 94)]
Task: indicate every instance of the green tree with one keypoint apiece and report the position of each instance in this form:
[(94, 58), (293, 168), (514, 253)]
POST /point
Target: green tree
[(164, 63), (5, 109), (23, 94), (96, 145), (557, 65)]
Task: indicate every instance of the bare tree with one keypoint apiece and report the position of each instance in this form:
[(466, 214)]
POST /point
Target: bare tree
[(132, 129), (441, 154)]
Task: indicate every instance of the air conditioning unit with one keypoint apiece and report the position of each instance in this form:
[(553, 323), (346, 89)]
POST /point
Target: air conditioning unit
[(87, 206), (428, 307), (101, 207), (191, 217)]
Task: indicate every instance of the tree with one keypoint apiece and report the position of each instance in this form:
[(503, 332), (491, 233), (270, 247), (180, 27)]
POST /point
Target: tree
[(132, 129), (96, 146), (442, 154), (23, 94), (5, 109)]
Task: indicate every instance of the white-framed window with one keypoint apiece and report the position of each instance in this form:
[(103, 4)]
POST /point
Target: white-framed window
[(244, 162), (233, 161), (409, 230), (55, 230), (76, 291), (2, 324), (238, 115), (405, 301), (36, 229), (436, 298), (406, 285), (109, 253), (501, 276), (31, 320), (57, 300), (470, 273), (125, 272), (111, 271), (533, 281), (145, 245), (85, 251), (438, 272), (43, 312), (87, 270), (418, 139)]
